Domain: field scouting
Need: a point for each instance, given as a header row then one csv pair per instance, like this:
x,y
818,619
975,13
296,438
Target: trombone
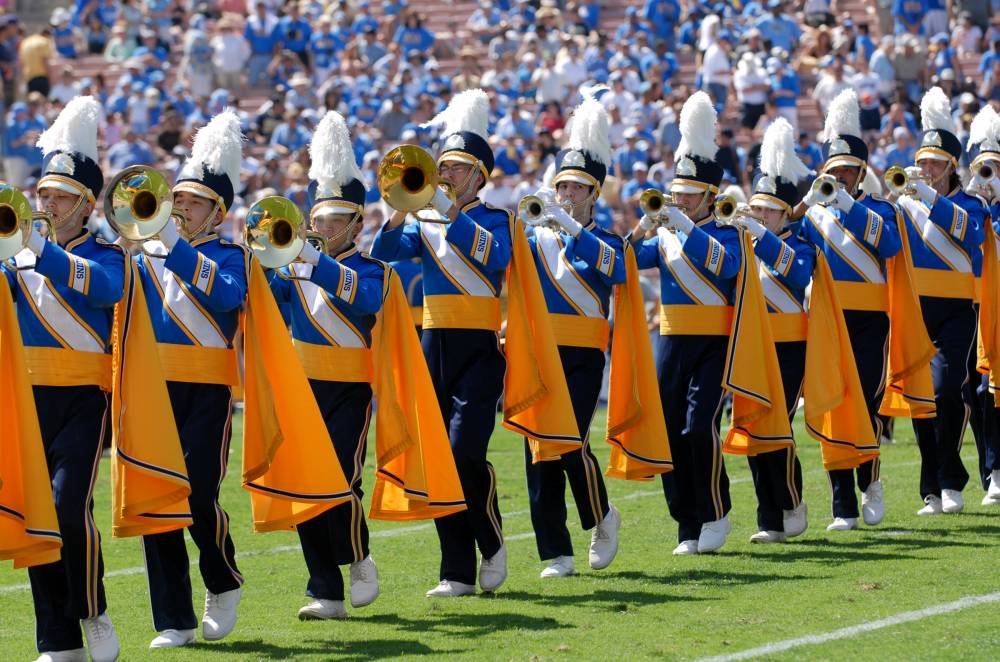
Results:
x,y
139,204
16,222
275,233
407,178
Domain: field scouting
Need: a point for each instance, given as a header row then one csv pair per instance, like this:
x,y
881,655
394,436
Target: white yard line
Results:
x,y
854,630
391,533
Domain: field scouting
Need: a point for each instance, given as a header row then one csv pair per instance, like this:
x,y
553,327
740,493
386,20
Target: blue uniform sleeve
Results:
x,y
362,293
281,288
490,249
400,243
101,281
647,253
792,269
722,258
963,225
876,232
604,258
223,284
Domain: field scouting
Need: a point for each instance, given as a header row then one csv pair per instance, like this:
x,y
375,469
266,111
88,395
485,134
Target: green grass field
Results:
x,y
647,605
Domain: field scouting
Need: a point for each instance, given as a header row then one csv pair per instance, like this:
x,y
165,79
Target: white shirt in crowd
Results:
x,y
749,74
715,66
827,89
867,86
231,52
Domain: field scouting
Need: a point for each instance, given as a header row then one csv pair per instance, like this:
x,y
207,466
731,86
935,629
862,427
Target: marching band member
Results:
x,y
65,291
578,265
948,230
464,258
786,263
196,285
984,133
333,310
856,234
463,264
699,260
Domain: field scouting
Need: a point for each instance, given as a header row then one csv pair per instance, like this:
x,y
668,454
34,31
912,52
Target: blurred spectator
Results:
x,y
413,36
290,136
935,16
911,67
130,151
831,83
294,33
20,154
785,90
752,87
776,27
633,188
197,68
866,86
34,53
900,152
261,34
967,37
909,15
716,71
809,151
230,54
881,65
65,36
66,88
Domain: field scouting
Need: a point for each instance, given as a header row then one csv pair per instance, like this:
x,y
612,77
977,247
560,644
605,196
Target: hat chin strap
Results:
x,y
461,190
189,233
59,222
335,241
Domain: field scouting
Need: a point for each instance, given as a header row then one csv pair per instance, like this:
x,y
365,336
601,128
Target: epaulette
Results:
x,y
232,244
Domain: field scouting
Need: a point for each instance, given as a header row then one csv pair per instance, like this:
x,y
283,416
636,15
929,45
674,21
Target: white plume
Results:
x,y
331,152
843,118
697,127
589,130
935,111
985,126
75,130
777,153
218,146
468,111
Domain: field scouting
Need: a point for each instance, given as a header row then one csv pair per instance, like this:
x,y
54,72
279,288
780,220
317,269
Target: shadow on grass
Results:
x,y
612,600
677,577
470,625
368,649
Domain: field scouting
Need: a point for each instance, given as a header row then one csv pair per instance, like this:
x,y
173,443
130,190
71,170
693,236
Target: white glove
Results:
x,y
309,254
752,226
678,220
567,222
441,202
646,224
811,198
843,201
547,195
169,235
925,192
994,185
36,242
977,184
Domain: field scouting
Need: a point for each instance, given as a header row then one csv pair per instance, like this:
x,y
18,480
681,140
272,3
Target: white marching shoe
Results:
x,y
323,610
713,535
172,639
74,655
220,614
796,521
843,524
364,582
686,548
493,571
873,504
952,501
450,589
992,497
768,537
560,566
102,640
932,506
604,540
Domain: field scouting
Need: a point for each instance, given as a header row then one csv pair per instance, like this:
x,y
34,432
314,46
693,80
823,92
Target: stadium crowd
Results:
x,y
184,60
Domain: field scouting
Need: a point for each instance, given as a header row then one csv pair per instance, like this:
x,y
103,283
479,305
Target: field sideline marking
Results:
x,y
388,533
844,633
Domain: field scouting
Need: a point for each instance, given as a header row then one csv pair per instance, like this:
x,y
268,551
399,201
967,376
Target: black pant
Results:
x,y
690,371
467,368
869,334
777,476
72,421
584,368
39,84
951,324
989,453
339,536
203,416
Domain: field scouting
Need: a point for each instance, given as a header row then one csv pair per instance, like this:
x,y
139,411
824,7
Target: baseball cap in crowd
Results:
x,y
773,65
899,132
640,165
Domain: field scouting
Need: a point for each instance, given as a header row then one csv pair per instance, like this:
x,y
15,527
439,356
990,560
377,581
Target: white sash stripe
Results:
x,y
775,294
182,307
62,321
846,244
688,277
552,252
320,309
459,270
935,237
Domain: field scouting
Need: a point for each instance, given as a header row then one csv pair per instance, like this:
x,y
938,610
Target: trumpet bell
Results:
x,y
826,187
407,178
530,209
652,202
275,231
15,221
725,208
139,203
896,180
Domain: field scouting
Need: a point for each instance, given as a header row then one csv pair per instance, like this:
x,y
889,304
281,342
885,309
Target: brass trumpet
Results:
x,y
900,181
533,210
16,222
407,178
725,208
826,186
276,231
984,171
653,202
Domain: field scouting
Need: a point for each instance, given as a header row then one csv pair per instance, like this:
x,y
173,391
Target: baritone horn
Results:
x,y
407,178
16,222
139,203
275,233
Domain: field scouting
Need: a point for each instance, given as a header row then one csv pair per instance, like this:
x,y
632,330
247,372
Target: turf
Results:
x,y
647,605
